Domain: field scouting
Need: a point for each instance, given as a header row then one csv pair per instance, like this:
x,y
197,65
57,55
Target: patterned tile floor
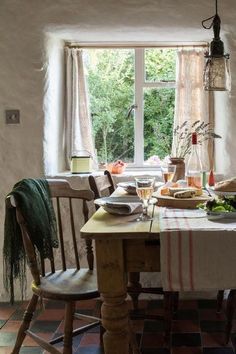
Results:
x,y
196,328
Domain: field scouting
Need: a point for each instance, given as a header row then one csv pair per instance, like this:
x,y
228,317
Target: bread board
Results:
x,y
183,203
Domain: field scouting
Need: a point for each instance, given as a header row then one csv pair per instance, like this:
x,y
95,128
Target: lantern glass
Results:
x,y
217,74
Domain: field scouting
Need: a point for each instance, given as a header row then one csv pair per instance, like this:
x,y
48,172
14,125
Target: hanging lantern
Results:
x,y
217,71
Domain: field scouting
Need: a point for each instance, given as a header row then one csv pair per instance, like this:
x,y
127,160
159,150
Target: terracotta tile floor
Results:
x,y
196,328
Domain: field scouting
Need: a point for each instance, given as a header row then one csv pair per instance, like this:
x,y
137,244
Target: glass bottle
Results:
x,y
211,179
194,166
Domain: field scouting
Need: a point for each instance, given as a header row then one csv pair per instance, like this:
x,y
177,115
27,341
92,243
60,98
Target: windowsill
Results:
x,y
126,175
135,172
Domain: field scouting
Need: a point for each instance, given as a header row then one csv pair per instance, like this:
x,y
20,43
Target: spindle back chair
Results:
x,y
69,284
101,185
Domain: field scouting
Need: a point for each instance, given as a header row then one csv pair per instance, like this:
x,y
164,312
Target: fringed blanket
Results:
x,y
33,198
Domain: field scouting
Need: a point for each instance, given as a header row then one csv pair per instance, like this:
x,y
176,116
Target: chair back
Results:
x,y
63,196
101,185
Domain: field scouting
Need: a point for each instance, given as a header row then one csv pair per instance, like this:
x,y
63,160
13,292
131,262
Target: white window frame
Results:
x,y
140,85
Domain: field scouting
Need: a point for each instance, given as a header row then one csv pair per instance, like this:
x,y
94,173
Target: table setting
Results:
x,y
132,197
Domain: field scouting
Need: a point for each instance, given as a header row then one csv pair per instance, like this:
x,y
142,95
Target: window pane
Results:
x,y
160,64
158,122
110,75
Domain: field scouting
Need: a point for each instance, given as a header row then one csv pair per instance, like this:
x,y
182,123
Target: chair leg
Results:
x,y
134,288
133,345
168,309
230,308
90,255
25,324
220,298
101,333
68,328
175,301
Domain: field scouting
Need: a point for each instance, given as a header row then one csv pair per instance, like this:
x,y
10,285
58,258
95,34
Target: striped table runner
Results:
x,y
196,254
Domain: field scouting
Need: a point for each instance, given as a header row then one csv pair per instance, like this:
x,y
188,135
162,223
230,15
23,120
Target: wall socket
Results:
x,y
12,116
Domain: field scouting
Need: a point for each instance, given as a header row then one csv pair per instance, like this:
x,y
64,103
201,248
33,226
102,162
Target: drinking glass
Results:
x,y
144,188
168,172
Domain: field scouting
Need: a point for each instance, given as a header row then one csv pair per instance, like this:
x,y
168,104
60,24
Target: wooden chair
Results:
x,y
68,284
99,185
230,310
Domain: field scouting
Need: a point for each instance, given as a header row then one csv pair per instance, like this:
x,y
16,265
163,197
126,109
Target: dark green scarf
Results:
x,y
33,198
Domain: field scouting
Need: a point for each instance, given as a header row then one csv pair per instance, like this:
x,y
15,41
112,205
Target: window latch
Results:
x,y
131,109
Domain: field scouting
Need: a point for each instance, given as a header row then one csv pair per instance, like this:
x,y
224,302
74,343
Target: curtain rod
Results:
x,y
133,45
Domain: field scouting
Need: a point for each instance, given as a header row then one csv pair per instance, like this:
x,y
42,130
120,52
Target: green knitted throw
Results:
x,y
33,198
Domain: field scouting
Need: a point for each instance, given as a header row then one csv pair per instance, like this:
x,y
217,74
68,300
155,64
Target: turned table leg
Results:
x,y
115,321
112,286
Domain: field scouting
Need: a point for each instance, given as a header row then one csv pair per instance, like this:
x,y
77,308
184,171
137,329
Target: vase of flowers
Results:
x,y
182,143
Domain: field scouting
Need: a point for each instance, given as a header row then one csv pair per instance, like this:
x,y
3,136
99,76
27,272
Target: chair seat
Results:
x,y
71,285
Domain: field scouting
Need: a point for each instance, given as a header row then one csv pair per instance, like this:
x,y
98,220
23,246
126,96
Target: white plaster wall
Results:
x,y
30,27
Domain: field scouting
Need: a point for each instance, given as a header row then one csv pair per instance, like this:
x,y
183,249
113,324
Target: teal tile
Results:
x,y
7,339
31,350
45,326
2,323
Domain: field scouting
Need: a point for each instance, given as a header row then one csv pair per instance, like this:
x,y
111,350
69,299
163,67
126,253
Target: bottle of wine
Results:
x,y
194,166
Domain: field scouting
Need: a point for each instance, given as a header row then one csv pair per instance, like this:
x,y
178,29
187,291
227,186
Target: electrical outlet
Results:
x,y
12,116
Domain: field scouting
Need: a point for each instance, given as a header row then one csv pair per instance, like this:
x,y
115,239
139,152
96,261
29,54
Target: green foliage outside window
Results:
x,y
158,122
110,75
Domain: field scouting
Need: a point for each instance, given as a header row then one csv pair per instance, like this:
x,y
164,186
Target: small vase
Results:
x,y
180,168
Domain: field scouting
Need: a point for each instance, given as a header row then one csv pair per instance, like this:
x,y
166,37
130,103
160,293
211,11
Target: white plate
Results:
x,y
221,193
215,215
103,201
130,187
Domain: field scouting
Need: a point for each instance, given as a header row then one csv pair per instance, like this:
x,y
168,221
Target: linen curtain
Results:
x,y
78,127
192,102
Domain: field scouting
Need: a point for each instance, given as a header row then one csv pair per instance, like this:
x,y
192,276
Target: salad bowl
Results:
x,y
221,207
216,215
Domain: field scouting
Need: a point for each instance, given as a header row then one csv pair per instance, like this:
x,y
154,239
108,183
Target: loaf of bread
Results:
x,y
172,190
228,185
185,194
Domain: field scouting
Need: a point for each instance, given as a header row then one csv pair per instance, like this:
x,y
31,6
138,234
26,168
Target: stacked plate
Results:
x,y
221,193
130,188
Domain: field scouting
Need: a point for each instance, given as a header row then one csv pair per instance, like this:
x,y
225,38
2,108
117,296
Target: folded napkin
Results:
x,y
123,208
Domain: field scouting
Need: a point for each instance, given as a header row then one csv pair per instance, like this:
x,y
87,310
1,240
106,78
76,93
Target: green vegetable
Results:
x,y
219,208
220,204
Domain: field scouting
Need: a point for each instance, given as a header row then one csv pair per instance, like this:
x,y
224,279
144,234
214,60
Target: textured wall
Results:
x,y
29,27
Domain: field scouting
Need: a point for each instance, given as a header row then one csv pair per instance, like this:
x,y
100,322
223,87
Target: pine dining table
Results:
x,y
192,253
122,245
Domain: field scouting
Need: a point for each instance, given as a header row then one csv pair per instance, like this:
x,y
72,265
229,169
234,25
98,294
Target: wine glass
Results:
x,y
168,172
144,188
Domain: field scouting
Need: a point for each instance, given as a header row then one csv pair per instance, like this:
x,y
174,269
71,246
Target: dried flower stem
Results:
x,y
182,136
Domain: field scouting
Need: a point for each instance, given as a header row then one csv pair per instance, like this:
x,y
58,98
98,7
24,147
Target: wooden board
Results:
x,y
185,203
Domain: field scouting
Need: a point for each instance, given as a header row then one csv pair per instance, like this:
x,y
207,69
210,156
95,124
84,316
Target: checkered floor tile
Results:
x,y
196,328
